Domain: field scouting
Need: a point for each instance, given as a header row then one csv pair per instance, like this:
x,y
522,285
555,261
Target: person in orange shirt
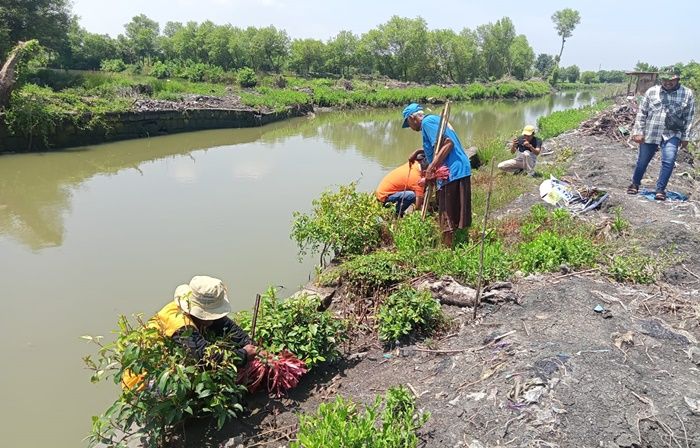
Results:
x,y
403,186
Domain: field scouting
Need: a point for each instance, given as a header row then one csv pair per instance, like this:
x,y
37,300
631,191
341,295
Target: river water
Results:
x,y
89,233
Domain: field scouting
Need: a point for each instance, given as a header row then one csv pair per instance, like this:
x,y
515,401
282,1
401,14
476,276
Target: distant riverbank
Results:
x,y
59,109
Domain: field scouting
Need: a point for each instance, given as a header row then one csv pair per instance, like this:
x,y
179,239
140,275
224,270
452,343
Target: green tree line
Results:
x,y
402,48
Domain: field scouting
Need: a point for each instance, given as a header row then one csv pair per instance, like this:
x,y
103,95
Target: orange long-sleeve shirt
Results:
x,y
402,178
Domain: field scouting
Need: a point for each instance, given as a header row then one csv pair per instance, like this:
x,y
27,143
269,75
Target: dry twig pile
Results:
x,y
615,123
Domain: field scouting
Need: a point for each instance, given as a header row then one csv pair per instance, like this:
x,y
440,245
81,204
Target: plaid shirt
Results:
x,y
656,105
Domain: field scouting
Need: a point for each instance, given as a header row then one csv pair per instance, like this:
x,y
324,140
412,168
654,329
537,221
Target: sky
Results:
x,y
613,34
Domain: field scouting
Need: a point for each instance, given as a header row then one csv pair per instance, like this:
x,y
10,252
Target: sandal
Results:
x,y
633,189
660,196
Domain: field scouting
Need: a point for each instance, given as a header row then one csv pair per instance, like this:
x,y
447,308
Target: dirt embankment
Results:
x,y
547,371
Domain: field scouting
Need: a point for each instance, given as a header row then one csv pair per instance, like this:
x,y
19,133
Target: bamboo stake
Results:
x,y
256,310
444,118
477,299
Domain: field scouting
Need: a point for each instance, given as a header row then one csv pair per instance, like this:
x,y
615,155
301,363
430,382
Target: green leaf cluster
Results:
x,y
635,267
296,325
173,385
413,235
246,77
406,311
553,238
346,222
342,424
369,273
462,262
113,65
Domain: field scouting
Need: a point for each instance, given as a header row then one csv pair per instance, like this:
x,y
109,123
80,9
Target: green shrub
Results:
x,y
413,235
507,90
475,91
368,273
346,222
634,268
558,220
619,224
463,262
246,77
160,70
549,250
32,114
112,65
298,326
176,386
194,71
341,424
407,311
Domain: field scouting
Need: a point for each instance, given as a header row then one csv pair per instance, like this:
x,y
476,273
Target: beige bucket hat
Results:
x,y
204,298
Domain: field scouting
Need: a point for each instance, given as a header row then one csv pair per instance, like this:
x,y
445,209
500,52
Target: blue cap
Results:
x,y
408,111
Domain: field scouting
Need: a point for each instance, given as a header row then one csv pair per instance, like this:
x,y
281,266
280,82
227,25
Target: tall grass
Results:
x,y
559,122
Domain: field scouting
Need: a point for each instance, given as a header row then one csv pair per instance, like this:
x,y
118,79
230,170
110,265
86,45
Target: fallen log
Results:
x,y
448,291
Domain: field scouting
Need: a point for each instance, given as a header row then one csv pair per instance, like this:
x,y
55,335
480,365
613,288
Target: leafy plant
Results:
x,y
463,262
296,325
549,250
172,386
413,234
346,222
247,78
406,311
619,224
112,65
35,112
565,155
366,274
634,268
341,424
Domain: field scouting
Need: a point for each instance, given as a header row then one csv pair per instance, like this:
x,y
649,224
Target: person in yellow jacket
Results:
x,y
199,307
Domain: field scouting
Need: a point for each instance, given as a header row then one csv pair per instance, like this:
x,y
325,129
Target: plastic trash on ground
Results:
x,y
565,195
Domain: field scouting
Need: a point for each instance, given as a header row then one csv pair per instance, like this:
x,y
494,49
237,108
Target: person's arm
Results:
x,y
227,328
536,148
190,338
514,145
414,155
193,341
418,187
688,117
419,202
440,158
640,121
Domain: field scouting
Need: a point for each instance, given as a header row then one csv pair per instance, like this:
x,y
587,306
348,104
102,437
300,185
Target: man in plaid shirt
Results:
x,y
663,121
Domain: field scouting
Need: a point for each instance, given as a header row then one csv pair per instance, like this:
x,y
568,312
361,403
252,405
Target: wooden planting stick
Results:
x,y
477,299
444,117
256,310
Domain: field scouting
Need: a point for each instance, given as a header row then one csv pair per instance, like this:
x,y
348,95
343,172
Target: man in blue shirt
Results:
x,y
454,194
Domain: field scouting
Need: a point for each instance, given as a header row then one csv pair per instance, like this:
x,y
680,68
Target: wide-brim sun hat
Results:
x,y
204,298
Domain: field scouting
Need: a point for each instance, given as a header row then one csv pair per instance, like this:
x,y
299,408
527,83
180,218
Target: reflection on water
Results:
x,y
90,233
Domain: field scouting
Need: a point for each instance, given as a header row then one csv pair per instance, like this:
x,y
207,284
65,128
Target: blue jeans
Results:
x,y
669,150
402,199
